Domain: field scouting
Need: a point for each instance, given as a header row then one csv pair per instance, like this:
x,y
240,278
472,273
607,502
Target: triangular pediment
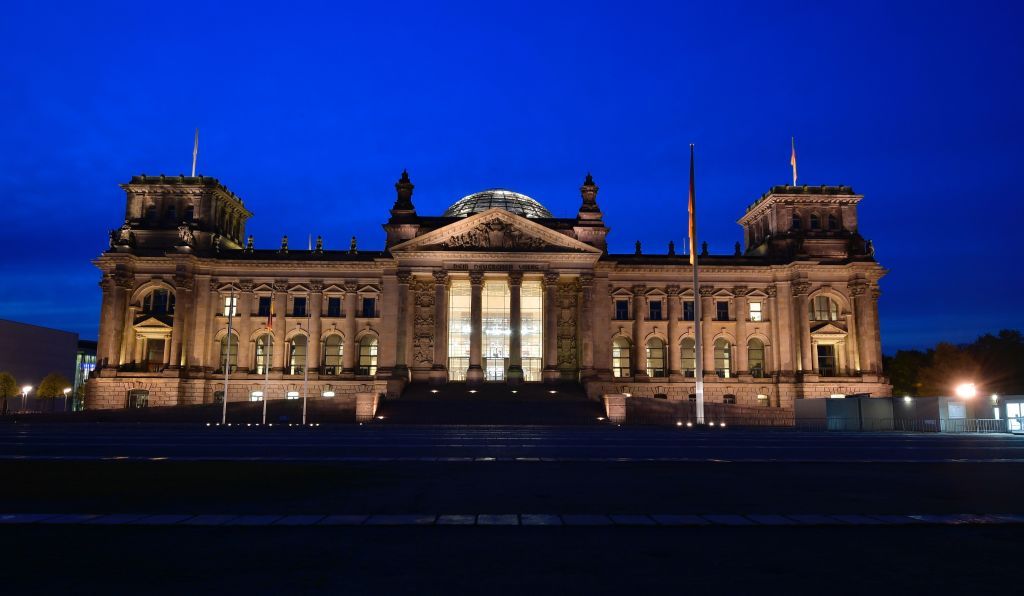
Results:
x,y
495,230
828,329
149,321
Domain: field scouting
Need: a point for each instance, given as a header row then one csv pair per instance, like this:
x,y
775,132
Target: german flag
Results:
x,y
693,213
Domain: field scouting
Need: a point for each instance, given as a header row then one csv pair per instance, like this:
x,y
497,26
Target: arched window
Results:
x,y
158,302
689,354
229,353
755,357
723,358
137,398
815,222
655,358
833,222
797,223
264,351
334,349
823,308
368,356
621,366
297,355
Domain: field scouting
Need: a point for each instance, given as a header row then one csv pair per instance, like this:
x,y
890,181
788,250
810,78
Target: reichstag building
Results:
x,y
496,289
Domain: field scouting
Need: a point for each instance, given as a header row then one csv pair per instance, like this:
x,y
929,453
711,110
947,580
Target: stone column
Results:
x,y
103,339
601,330
741,331
773,328
707,330
586,332
852,365
316,306
865,326
639,347
245,305
784,328
182,308
348,356
475,374
401,369
551,326
280,299
440,366
876,328
803,317
167,349
139,343
131,337
210,361
672,348
515,340
120,288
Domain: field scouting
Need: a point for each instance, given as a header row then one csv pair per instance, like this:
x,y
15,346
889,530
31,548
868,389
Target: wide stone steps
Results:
x,y
528,404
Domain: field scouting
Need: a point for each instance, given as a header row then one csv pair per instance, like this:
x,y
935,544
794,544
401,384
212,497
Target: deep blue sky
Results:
x,y
310,112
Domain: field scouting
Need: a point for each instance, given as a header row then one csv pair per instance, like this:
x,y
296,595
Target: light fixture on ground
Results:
x,y
966,390
24,396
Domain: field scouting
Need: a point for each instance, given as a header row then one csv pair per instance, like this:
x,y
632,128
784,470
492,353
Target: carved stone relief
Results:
x,y
568,303
495,233
423,322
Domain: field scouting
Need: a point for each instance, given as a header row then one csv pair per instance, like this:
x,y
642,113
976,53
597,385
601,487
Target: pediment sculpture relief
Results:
x,y
494,233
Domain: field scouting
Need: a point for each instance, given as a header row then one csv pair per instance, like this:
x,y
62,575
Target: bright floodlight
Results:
x,y
26,388
67,390
966,390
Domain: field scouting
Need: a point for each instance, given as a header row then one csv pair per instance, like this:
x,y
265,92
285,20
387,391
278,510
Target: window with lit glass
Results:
x,y
688,352
755,357
459,328
655,358
368,355
755,312
137,398
297,355
723,358
531,310
231,306
827,360
264,351
494,343
334,349
823,308
229,352
620,357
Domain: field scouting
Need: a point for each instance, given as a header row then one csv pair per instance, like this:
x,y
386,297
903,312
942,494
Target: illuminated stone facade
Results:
x,y
495,290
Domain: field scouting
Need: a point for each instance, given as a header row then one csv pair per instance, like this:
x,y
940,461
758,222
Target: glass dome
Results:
x,y
512,202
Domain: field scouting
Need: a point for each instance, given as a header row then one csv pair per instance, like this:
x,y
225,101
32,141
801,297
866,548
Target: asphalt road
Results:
x,y
385,443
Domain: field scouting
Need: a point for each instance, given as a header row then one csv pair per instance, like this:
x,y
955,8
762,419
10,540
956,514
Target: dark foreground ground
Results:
x,y
606,472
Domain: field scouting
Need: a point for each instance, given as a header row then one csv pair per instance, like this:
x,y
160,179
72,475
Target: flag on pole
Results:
x,y
270,316
693,213
792,158
195,153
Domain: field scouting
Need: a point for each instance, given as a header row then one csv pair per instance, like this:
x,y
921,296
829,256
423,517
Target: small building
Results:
x,y
30,352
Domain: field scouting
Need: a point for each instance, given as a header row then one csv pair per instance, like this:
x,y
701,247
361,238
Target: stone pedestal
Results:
x,y
615,407
366,406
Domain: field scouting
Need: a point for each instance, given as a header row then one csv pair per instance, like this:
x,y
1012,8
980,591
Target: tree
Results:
x,y
53,385
904,371
950,365
8,388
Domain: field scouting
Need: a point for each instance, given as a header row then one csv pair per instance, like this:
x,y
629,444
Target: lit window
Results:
x,y
297,355
256,396
755,312
229,352
755,357
827,360
655,310
137,398
264,350
231,306
655,358
327,394
334,349
459,328
368,356
620,357
622,310
293,395
689,356
723,358
823,308
762,401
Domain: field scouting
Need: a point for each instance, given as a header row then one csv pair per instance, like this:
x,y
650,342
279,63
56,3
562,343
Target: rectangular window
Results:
x,y
729,398
622,310
755,312
231,306
334,307
762,401
655,310
722,310
827,360
689,357
459,328
687,310
369,308
264,307
299,306
495,339
532,328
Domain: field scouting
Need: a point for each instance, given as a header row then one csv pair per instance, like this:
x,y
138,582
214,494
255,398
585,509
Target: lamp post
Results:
x,y
67,390
24,397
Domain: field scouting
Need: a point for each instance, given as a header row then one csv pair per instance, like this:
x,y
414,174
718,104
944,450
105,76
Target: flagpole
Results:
x,y
195,153
792,157
227,360
266,358
698,372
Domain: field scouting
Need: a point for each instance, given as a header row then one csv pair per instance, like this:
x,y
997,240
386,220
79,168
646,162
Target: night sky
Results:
x,y
310,112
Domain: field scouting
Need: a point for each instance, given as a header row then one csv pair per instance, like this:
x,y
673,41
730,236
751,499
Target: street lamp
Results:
x,y
966,390
24,396
67,390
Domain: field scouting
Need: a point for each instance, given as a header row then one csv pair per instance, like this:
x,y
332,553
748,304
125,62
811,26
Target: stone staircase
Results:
x,y
492,404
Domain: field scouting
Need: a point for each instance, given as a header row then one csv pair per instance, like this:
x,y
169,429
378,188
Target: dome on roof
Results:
x,y
512,202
